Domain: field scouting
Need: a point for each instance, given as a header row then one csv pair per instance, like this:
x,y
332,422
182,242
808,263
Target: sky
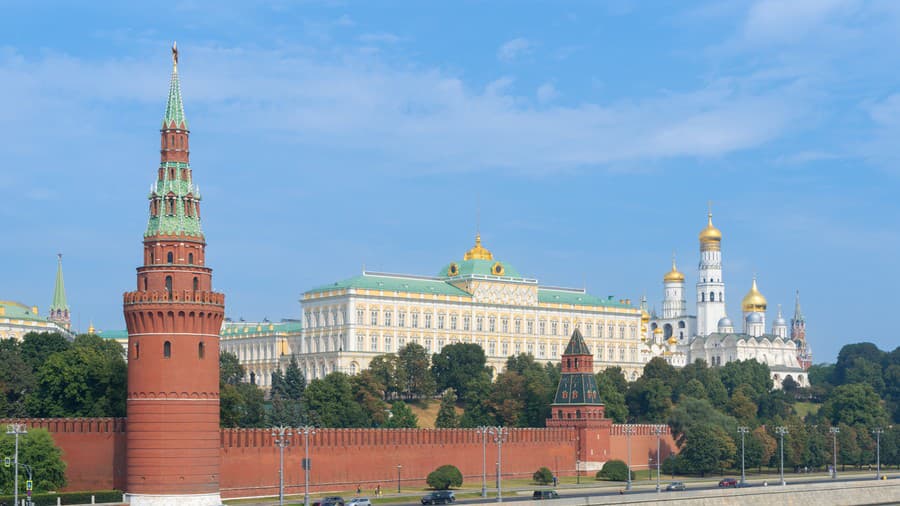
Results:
x,y
585,140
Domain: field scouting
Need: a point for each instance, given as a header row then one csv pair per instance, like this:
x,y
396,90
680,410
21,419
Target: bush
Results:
x,y
49,498
542,476
445,477
614,470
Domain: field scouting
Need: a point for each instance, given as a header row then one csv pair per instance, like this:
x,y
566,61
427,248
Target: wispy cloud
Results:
x,y
546,93
514,49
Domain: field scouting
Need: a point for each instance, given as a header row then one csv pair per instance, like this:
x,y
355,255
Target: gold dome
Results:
x,y
710,237
673,275
645,317
478,252
657,331
673,340
753,301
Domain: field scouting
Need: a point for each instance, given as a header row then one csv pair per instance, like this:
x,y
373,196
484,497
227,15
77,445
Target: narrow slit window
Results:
x,y
167,349
201,350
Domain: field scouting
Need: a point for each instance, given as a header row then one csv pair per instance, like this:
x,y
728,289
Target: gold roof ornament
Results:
x,y
754,300
657,331
174,53
478,252
673,340
674,275
710,237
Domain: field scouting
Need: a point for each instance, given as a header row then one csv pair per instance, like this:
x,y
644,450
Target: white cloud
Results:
x,y
773,21
546,93
513,49
379,38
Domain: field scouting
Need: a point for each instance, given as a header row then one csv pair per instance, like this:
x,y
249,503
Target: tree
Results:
x,y
522,394
847,361
384,371
16,380
287,396
414,377
87,380
848,447
691,413
649,400
746,372
477,401
708,449
241,405
613,470
402,417
369,394
329,402
38,450
741,406
658,368
855,404
542,476
445,477
231,372
693,388
446,418
612,397
764,447
456,365
36,347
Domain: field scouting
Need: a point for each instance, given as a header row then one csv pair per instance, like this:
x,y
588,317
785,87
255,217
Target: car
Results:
x,y
334,500
544,494
439,497
675,485
359,501
728,482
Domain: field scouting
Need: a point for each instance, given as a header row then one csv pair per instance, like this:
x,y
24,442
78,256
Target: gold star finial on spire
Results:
x,y
174,53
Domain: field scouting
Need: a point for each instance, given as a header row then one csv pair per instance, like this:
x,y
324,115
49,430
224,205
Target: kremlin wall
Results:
x,y
95,451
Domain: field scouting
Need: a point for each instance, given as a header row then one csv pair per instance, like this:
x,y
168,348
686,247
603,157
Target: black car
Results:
x,y
540,495
439,497
333,500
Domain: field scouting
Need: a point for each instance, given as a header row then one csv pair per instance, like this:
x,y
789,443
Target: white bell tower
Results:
x,y
710,287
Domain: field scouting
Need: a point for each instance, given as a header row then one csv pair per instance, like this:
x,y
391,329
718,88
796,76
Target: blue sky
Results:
x,y
331,135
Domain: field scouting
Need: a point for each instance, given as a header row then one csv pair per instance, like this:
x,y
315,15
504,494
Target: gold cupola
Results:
x,y
710,237
674,275
478,252
673,340
754,300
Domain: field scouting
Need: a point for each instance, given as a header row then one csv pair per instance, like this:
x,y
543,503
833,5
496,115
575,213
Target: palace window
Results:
x,y
530,348
360,316
589,329
428,345
374,343
518,348
621,331
387,344
479,323
440,321
505,348
610,331
555,349
542,325
387,318
453,322
622,354
609,353
415,320
492,324
518,325
492,348
565,328
427,320
632,330
504,325
373,317
530,327
542,348
440,345
552,328
467,322
401,319
359,343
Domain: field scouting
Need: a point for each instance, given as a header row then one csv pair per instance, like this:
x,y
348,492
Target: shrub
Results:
x,y
614,470
543,476
445,477
49,498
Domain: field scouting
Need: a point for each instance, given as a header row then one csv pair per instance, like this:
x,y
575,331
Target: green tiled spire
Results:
x,y
59,291
174,106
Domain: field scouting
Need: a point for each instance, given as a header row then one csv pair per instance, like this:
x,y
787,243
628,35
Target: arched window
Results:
x,y
252,378
169,286
152,258
201,350
703,297
145,284
170,257
167,349
559,413
577,413
681,324
196,284
191,258
712,296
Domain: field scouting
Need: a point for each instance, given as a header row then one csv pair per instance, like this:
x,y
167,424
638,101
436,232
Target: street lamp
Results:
x,y
281,435
500,434
834,432
743,430
483,430
628,432
399,467
878,432
15,429
781,431
306,430
658,431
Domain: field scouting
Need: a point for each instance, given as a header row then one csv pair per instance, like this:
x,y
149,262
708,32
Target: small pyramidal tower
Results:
x,y
577,399
173,318
59,309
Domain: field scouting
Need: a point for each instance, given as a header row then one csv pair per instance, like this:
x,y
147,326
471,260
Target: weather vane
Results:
x,y
175,53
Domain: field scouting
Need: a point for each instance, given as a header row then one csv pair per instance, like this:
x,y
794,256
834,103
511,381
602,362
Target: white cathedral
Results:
x,y
711,336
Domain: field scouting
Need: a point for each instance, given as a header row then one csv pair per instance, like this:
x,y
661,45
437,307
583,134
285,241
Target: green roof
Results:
x,y
577,388
576,297
174,106
18,311
179,223
239,328
59,291
113,334
394,283
576,345
479,267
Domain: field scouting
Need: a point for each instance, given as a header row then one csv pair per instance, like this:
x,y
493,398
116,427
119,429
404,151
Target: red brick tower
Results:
x,y
577,404
173,321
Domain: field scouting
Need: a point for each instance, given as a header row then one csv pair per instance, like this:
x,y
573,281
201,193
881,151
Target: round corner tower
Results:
x,y
173,320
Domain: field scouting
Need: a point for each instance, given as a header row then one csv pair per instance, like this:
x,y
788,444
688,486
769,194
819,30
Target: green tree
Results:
x,y
658,368
857,356
231,372
854,404
542,476
36,347
456,365
329,402
444,477
614,470
478,411
369,394
241,405
414,376
746,372
446,418
708,449
649,400
402,417
287,396
87,380
384,371
848,446
17,380
741,405
691,413
37,450
522,394
693,388
612,397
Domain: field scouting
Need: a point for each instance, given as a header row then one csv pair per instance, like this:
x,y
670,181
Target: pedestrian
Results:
x,y
358,489
555,481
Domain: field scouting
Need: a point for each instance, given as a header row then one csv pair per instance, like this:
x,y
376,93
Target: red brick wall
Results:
x,y
643,445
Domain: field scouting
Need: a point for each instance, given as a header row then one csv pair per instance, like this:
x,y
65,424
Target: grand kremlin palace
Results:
x,y
477,300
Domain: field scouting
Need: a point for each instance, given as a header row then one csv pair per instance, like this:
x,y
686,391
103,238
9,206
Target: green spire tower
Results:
x,y
59,309
174,200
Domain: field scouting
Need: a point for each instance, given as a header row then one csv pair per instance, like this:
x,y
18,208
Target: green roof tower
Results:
x,y
59,309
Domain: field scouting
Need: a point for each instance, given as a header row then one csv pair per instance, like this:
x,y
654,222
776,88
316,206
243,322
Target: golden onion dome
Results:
x,y
710,237
478,252
754,301
657,331
674,275
645,316
673,340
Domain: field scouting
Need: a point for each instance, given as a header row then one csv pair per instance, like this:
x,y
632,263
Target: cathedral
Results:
x,y
710,335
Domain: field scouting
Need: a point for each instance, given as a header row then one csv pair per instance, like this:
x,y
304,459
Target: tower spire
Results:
x,y
59,309
174,117
798,315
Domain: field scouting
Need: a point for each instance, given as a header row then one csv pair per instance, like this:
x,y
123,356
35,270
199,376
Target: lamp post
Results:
x,y
306,430
834,432
742,430
781,431
658,431
500,434
399,467
629,430
483,430
878,432
15,429
281,435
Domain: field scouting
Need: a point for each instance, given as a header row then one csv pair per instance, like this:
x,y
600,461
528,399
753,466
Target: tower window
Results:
x,y
712,296
703,297
191,258
145,284
201,350
167,349
196,283
137,351
169,286
170,257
